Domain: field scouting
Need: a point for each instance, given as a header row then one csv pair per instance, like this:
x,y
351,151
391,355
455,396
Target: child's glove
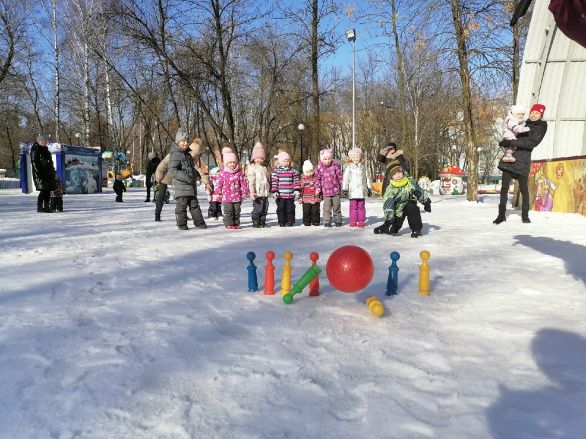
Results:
x,y
296,195
427,206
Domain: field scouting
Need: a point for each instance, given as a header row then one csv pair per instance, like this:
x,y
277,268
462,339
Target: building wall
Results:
x,y
553,73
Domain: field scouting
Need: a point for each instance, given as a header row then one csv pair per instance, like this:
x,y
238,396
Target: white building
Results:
x,y
553,73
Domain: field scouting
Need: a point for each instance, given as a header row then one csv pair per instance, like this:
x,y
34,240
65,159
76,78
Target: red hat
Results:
x,y
538,107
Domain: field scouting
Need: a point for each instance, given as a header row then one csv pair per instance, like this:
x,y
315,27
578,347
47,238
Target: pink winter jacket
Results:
x,y
232,187
214,183
329,179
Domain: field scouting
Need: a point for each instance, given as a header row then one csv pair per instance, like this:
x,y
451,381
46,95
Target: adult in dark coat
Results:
x,y
43,173
391,157
519,169
184,177
150,172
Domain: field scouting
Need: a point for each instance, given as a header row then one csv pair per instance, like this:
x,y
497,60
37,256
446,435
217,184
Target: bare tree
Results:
x,y
468,114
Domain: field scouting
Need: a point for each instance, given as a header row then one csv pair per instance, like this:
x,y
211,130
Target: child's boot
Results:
x,y
384,228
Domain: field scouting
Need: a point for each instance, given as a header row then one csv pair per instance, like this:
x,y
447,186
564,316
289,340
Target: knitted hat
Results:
x,y
307,166
152,155
538,107
395,169
282,156
180,136
325,154
355,152
228,155
42,137
257,152
516,109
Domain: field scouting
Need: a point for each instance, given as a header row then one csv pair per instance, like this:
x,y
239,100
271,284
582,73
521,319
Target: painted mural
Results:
x,y
559,185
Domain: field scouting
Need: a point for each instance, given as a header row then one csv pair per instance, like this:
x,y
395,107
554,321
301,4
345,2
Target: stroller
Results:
x,y
167,194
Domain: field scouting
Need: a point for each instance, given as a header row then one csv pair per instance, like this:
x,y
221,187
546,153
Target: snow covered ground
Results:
x,y
114,326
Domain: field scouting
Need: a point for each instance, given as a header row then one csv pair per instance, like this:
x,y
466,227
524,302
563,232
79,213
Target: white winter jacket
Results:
x,y
355,181
258,180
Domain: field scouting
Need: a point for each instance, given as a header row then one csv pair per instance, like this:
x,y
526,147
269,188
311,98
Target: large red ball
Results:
x,y
350,269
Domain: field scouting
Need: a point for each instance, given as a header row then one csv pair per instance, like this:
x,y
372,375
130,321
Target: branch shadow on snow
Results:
x,y
571,253
556,410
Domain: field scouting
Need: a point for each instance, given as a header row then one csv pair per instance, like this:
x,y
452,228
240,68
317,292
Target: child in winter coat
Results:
x,y
514,125
400,201
184,179
232,189
390,156
355,184
329,178
310,195
56,202
119,188
215,209
258,182
285,187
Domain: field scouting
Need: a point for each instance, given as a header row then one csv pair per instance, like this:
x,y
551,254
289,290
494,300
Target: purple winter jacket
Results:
x,y
329,179
231,187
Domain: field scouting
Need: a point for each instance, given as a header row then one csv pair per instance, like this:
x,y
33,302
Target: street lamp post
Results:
x,y
301,128
351,35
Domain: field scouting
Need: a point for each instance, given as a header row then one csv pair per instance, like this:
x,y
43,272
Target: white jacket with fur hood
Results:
x,y
355,180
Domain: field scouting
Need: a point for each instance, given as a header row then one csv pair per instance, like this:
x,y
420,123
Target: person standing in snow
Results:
x,y
119,188
163,180
56,202
329,178
150,173
43,173
355,184
400,202
310,195
184,177
232,187
519,169
215,209
258,181
285,188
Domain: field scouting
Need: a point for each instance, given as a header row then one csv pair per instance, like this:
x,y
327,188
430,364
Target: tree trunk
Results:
x,y
315,116
470,137
516,54
57,69
217,8
400,79
86,89
11,41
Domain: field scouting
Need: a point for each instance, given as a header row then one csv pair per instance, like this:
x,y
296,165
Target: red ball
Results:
x,y
349,269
